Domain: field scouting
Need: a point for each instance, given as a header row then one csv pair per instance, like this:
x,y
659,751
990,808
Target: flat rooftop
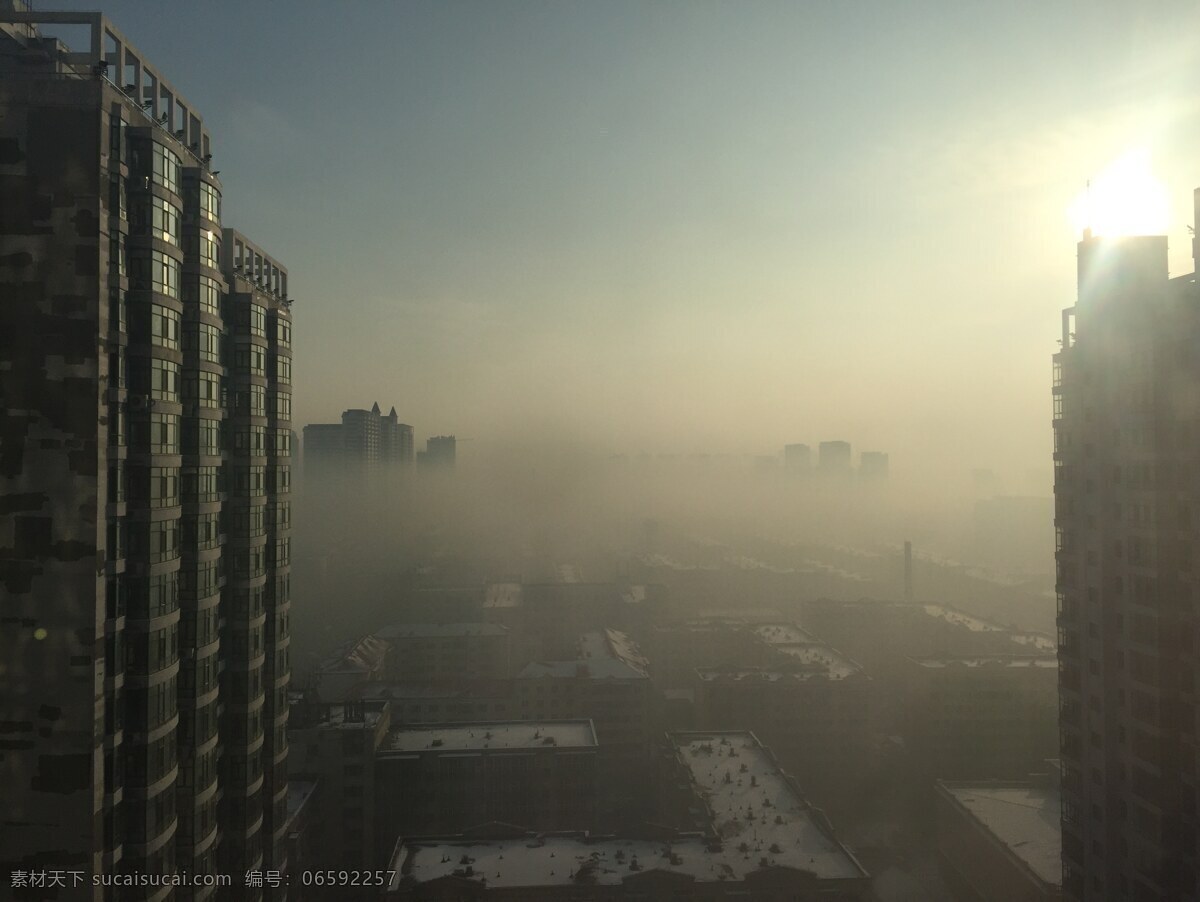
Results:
x,y
784,634
502,595
607,654
760,822
1024,817
1016,662
440,630
474,737
822,659
958,618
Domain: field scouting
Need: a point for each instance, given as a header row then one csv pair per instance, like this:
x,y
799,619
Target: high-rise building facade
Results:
x,y
145,372
1126,419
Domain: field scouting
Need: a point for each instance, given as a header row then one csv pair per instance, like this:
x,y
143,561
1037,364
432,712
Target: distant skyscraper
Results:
x,y
873,465
834,457
145,367
364,441
440,451
1127,513
797,458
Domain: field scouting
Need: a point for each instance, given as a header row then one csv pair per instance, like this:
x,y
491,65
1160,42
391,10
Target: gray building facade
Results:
x,y
145,372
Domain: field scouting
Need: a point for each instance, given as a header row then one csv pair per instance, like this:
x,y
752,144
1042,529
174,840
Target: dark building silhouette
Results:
x,y
797,458
834,457
1126,422
873,465
440,451
145,367
364,441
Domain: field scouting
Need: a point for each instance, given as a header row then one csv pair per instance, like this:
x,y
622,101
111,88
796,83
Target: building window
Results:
x,y
210,249
164,433
156,272
164,327
166,167
203,291
164,380
252,359
164,539
205,340
203,388
210,202
164,221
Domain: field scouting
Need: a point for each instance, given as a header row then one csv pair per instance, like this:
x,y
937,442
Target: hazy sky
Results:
x,y
683,226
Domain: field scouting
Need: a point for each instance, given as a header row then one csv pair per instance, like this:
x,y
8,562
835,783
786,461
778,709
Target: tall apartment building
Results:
x,y
1126,448
440,451
145,376
364,440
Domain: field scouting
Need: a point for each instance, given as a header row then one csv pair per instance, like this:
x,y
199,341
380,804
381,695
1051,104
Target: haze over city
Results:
x,y
564,451
687,227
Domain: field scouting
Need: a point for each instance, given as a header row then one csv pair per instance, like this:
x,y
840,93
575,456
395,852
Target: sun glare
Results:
x,y
1125,199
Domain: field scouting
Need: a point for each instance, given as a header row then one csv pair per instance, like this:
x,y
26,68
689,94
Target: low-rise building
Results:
x,y
983,717
1001,842
445,652
446,778
757,839
336,743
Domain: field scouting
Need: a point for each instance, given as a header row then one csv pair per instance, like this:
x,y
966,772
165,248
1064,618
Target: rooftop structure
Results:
x,y
492,735
1003,839
759,828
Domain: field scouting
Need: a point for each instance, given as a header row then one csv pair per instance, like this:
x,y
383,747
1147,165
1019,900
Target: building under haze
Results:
x,y
1126,422
833,458
441,451
797,458
362,442
873,465
145,367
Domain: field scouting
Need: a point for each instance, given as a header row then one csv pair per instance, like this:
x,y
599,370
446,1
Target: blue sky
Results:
x,y
683,226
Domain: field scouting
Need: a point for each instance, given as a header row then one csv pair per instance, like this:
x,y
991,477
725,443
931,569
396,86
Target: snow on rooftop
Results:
x,y
1008,661
503,595
495,735
821,658
1040,641
356,656
1025,818
958,618
781,830
783,634
607,654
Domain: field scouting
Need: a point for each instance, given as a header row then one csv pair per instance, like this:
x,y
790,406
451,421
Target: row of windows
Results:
x,y
210,201
160,219
155,272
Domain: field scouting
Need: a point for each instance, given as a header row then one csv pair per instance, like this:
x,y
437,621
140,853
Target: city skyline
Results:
x,y
660,228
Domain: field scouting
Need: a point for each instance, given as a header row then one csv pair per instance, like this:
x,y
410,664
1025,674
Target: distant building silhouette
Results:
x,y
440,451
834,457
362,442
797,458
873,465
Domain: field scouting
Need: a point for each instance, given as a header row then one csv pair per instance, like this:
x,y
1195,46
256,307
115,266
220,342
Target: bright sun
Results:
x,y
1125,199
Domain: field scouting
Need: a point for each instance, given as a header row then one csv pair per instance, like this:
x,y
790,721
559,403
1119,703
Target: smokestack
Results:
x,y
908,592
